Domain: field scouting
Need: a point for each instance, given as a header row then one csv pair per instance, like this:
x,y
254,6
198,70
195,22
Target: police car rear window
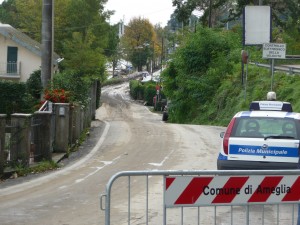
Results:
x,y
263,127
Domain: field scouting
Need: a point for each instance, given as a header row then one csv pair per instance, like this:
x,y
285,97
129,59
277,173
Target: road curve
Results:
x,y
127,136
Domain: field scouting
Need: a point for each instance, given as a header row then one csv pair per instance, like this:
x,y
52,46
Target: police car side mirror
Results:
x,y
222,134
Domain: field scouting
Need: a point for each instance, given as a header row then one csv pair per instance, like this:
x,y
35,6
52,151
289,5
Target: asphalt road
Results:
x,y
127,136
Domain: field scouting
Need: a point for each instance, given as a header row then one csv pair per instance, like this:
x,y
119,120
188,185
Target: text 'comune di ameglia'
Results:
x,y
281,189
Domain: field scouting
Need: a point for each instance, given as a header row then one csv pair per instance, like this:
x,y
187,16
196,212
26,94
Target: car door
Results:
x,y
259,149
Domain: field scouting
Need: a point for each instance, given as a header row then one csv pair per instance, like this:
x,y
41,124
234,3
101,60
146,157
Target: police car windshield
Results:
x,y
265,127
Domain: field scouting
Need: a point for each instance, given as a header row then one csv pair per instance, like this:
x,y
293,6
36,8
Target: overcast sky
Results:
x,y
157,11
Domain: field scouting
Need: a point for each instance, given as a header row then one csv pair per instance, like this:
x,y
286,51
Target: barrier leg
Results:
x,y
298,220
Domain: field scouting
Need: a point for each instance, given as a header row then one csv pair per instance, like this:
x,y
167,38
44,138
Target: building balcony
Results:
x,y
10,70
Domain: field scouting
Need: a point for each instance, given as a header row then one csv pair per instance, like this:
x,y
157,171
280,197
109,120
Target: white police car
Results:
x,y
266,137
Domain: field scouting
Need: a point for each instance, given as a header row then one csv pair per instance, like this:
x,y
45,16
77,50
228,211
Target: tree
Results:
x,y
8,13
197,70
211,10
138,40
159,46
24,15
80,56
173,23
83,16
80,29
232,9
113,51
85,37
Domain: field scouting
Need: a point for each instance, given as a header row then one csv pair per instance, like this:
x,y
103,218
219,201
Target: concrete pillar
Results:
x,y
94,100
43,148
62,121
82,115
77,122
87,116
2,142
71,123
20,138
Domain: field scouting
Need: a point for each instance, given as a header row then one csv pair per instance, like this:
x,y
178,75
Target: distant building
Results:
x,y
19,55
121,29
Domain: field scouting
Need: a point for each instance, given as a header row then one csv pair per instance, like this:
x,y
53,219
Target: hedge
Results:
x,y
14,98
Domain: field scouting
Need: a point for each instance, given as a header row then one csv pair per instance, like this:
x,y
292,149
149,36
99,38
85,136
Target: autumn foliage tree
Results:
x,y
139,42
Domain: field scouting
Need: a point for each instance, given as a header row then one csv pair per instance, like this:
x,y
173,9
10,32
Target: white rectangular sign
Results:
x,y
190,191
257,27
274,50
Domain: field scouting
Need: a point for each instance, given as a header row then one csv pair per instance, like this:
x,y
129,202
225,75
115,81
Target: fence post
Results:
x,y
77,122
44,142
2,141
20,138
62,121
82,119
71,123
94,99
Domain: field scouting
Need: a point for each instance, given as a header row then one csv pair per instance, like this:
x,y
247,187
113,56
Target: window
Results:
x,y
264,127
12,59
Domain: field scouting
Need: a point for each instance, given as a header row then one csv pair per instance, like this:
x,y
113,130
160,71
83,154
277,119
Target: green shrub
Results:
x,y
136,89
150,92
34,84
23,170
113,81
145,91
197,70
15,99
74,83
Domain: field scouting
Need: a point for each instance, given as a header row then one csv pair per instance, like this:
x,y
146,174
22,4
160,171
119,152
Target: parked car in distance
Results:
x,y
146,76
265,137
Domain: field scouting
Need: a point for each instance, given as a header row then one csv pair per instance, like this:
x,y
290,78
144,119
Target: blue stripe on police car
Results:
x,y
259,151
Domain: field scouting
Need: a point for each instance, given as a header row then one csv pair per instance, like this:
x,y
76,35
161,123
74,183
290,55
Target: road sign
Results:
x,y
191,191
257,25
274,50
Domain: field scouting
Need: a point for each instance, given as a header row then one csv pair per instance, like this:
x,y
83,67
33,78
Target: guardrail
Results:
x,y
284,68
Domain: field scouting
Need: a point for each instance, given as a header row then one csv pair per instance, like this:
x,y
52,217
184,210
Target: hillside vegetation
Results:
x,y
203,80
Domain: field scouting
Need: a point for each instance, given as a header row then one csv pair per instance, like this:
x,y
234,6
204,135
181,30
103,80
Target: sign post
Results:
x,y
273,51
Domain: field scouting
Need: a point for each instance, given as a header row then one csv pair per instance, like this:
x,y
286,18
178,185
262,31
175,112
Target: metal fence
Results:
x,y
157,197
288,69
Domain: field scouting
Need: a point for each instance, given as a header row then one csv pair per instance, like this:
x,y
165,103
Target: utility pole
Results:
x,y
209,16
47,42
162,53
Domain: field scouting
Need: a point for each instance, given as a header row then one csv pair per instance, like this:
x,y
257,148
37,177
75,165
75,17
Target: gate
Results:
x,y
202,197
23,140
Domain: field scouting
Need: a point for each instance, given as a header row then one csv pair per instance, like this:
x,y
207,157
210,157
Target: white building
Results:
x,y
19,54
